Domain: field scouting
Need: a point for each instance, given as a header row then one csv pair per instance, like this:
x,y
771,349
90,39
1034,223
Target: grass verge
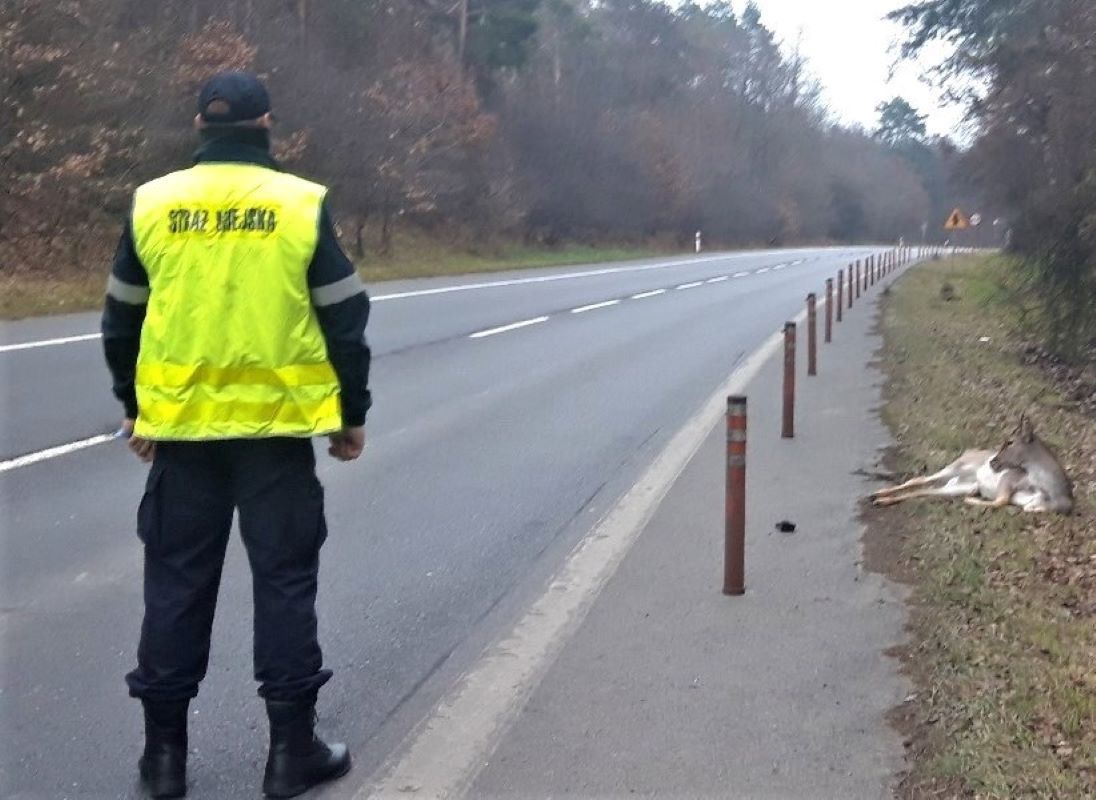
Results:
x,y
1003,630
34,296
416,255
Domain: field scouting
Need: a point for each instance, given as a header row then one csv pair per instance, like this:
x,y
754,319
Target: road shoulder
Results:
x,y
670,688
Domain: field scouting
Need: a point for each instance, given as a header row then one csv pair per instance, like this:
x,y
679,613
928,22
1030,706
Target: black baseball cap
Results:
x,y
229,98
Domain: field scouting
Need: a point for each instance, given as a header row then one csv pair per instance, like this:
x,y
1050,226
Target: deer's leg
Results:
x,y
974,500
1005,490
949,473
953,488
912,483
898,497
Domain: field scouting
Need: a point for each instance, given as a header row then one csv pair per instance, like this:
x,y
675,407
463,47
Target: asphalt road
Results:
x,y
508,417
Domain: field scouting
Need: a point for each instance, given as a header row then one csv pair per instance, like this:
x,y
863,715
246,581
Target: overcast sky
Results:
x,y
852,50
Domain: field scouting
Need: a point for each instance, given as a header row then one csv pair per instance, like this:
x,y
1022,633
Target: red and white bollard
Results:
x,y
787,427
734,525
829,310
840,292
812,335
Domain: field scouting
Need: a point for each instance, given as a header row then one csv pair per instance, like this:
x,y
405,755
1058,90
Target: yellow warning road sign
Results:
x,y
957,221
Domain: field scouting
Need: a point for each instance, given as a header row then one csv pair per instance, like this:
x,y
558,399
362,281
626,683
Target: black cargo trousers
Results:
x,y
184,520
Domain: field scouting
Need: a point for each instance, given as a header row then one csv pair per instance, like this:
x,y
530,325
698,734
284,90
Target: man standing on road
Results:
x,y
234,329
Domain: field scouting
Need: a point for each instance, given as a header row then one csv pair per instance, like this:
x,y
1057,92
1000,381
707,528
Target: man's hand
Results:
x,y
347,444
144,449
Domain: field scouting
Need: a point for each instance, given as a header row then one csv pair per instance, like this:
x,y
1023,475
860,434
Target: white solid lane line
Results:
x,y
72,447
84,337
594,306
54,452
466,287
512,327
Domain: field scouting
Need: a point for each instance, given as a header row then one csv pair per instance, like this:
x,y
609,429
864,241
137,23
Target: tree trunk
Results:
x,y
463,30
557,65
386,230
359,236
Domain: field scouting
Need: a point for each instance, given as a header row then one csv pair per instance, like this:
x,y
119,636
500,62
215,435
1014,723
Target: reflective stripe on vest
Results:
x,y
231,347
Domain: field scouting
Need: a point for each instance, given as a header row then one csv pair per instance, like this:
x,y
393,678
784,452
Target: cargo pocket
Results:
x,y
150,511
321,521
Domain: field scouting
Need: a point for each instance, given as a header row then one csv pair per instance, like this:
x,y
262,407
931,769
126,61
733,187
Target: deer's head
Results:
x,y
1015,452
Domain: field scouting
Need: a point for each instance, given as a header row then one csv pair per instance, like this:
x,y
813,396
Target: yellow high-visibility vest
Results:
x,y
231,346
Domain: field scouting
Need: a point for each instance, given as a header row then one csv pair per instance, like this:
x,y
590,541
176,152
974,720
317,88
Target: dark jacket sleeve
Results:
x,y
342,307
123,316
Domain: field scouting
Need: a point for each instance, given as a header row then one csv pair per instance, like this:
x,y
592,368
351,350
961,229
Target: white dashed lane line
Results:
x,y
467,287
525,323
616,301
594,306
53,452
15,347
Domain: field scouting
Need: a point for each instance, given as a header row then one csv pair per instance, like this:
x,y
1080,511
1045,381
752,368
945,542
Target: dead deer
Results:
x,y
1024,473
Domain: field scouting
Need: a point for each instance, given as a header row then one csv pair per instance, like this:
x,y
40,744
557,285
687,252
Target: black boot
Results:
x,y
163,764
298,758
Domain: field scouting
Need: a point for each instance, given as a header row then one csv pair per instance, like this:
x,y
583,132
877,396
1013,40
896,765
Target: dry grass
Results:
x,y
1004,630
416,254
32,296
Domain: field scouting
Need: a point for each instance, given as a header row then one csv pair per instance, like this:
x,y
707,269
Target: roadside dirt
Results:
x,y
1002,633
